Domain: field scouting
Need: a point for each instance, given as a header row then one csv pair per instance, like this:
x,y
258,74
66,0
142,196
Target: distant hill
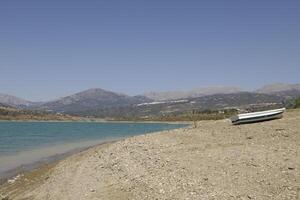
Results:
x,y
278,87
91,99
281,89
198,92
13,101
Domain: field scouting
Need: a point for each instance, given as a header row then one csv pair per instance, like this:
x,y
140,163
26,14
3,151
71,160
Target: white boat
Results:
x,y
257,116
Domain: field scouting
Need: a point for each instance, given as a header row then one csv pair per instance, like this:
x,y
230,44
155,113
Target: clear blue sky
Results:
x,y
53,48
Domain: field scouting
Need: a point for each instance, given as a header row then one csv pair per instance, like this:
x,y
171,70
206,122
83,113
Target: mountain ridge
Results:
x,y
89,99
289,91
196,92
13,100
277,87
98,98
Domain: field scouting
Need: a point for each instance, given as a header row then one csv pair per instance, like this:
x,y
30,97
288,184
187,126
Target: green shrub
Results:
x,y
297,103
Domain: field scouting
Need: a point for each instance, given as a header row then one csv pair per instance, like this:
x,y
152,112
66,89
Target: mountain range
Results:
x,y
102,103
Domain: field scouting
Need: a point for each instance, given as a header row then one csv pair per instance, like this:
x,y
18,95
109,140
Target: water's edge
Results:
x,y
47,160
6,175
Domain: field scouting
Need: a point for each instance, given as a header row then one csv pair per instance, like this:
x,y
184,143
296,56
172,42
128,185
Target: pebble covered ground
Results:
x,y
216,160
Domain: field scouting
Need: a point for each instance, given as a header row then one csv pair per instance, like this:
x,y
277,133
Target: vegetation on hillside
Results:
x,y
8,113
194,115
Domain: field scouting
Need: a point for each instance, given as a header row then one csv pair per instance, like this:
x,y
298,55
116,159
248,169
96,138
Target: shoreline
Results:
x,y
102,121
27,168
45,162
216,160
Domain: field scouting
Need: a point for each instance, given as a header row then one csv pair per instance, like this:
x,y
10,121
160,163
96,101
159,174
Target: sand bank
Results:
x,y
214,161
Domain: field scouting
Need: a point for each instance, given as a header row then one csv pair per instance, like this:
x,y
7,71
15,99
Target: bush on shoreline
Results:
x,y
297,103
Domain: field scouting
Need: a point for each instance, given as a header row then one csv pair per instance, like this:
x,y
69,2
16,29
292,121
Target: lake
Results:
x,y
22,143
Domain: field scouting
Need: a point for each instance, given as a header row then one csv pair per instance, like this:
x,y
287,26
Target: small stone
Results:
x,y
291,168
11,181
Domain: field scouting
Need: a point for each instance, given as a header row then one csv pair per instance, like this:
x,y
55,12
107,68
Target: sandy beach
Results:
x,y
216,160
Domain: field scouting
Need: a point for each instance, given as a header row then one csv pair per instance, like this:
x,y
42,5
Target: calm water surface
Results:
x,y
24,142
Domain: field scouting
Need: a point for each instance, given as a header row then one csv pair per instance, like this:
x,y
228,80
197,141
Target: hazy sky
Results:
x,y
53,48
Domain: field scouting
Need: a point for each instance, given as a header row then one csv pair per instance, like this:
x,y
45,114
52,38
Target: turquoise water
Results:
x,y
23,142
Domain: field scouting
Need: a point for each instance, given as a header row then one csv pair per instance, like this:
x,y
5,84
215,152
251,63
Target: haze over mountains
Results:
x,y
197,92
100,102
278,87
281,89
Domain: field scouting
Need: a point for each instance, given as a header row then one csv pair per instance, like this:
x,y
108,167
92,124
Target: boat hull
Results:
x,y
257,117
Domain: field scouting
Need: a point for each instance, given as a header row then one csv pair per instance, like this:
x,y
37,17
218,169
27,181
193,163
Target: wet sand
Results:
x,y
216,160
